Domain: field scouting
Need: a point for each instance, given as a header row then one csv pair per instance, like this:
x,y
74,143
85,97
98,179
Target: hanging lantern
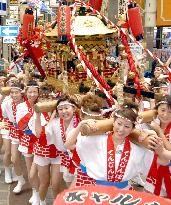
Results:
x,y
96,4
64,19
135,21
28,23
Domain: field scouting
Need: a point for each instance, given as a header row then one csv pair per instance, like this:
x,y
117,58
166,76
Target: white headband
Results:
x,y
161,102
13,87
119,116
92,115
65,103
33,86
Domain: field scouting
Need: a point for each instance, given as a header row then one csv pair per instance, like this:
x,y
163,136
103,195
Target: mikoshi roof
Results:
x,y
90,25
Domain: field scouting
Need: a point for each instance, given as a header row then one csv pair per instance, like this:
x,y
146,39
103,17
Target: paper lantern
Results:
x,y
135,21
64,19
96,4
28,24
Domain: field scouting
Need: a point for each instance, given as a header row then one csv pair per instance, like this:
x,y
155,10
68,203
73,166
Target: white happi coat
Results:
x,y
150,186
22,110
92,151
53,133
31,123
7,112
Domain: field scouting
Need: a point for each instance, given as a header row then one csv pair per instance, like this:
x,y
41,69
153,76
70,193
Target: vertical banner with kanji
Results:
x,y
122,9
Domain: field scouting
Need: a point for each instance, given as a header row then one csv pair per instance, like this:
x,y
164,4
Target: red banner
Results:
x,y
107,195
64,19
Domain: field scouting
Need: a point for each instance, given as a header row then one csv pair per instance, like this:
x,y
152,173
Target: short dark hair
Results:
x,y
18,85
32,83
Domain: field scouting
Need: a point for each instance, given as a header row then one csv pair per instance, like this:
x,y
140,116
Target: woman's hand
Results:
x,y
159,147
150,139
4,125
155,126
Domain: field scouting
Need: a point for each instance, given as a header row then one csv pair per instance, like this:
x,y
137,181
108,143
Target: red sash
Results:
x,y
62,129
167,131
14,110
30,109
111,174
75,161
26,118
46,116
163,172
42,138
152,174
62,126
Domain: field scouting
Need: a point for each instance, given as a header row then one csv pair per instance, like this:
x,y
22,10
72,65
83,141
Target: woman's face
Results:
x,y
12,80
16,95
65,111
32,94
164,113
157,72
164,91
122,128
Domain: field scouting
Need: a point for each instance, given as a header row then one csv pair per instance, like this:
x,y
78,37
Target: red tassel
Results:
x,y
35,59
96,4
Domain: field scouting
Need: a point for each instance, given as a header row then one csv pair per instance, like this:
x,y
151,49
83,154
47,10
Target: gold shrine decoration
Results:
x,y
140,3
163,13
11,2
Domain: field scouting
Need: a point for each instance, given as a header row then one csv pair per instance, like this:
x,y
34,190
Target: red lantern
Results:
x,y
96,4
28,24
64,19
135,21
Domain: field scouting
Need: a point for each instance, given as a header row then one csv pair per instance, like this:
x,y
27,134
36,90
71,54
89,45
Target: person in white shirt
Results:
x,y
111,159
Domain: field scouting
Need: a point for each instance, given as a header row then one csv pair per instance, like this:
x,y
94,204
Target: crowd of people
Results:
x,y
55,147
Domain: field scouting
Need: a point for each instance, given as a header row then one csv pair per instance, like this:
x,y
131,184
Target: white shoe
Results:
x,y
20,184
43,202
36,198
8,177
137,180
14,176
31,199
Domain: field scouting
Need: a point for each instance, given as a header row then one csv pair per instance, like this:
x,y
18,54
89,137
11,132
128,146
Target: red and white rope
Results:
x,y
133,39
79,55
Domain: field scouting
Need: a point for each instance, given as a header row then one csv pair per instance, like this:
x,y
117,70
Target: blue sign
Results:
x,y
12,31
